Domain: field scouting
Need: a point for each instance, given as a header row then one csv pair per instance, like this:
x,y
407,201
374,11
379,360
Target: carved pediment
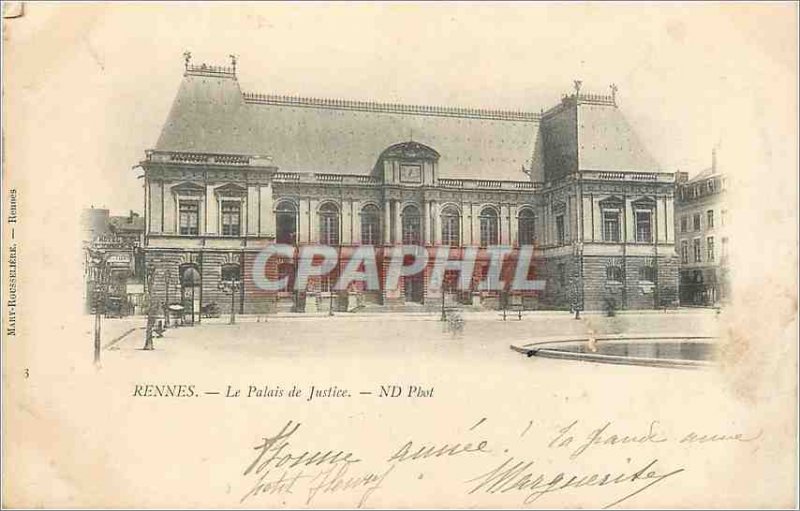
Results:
x,y
410,150
644,202
612,202
231,189
188,188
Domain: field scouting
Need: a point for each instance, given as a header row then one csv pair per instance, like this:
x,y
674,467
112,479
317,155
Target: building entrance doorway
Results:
x,y
413,288
190,291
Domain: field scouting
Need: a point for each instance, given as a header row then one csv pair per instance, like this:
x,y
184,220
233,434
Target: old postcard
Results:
x,y
400,255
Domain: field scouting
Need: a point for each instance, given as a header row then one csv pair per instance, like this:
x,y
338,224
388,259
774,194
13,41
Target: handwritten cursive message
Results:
x,y
282,466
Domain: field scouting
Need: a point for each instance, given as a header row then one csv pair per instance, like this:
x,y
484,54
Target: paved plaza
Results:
x,y
380,338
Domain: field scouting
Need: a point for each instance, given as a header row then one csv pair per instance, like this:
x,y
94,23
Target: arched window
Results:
x,y
527,227
190,276
451,227
412,226
370,225
329,224
286,219
488,227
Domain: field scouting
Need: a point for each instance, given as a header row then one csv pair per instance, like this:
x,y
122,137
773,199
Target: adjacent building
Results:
x,y
233,172
702,240
114,260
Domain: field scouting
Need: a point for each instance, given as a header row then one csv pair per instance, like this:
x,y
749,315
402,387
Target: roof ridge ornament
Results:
x,y
187,59
614,89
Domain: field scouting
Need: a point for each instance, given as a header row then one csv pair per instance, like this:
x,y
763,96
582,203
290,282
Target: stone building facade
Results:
x,y
702,240
233,172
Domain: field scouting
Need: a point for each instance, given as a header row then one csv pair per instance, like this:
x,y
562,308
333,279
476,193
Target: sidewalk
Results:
x,y
435,315
113,330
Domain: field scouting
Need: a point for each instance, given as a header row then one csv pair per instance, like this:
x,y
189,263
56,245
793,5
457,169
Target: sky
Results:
x,y
93,83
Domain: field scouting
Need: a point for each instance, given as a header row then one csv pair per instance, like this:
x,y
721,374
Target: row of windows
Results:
x,y
696,219
614,274
411,225
697,250
646,274
700,189
411,228
188,217
643,219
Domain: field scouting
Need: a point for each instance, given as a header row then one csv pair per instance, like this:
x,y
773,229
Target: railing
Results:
x,y
201,158
328,178
615,176
451,183
653,177
184,157
355,179
325,177
286,176
597,98
210,70
372,106
487,183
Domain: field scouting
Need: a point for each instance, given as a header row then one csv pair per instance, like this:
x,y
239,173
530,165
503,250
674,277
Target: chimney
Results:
x,y
714,160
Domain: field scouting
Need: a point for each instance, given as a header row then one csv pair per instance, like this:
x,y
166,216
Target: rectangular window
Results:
x,y
647,274
614,273
698,254
561,235
696,221
611,226
710,219
684,252
188,212
644,231
684,224
231,218
710,248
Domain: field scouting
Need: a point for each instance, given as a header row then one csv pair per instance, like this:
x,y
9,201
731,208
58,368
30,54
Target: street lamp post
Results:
x,y
231,286
166,302
577,298
330,292
152,307
100,281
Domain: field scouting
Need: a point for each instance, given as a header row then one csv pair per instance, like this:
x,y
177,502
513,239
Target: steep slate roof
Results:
x,y
607,141
210,114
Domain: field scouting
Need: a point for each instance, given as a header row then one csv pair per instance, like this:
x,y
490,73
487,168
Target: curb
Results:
x,y
120,337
